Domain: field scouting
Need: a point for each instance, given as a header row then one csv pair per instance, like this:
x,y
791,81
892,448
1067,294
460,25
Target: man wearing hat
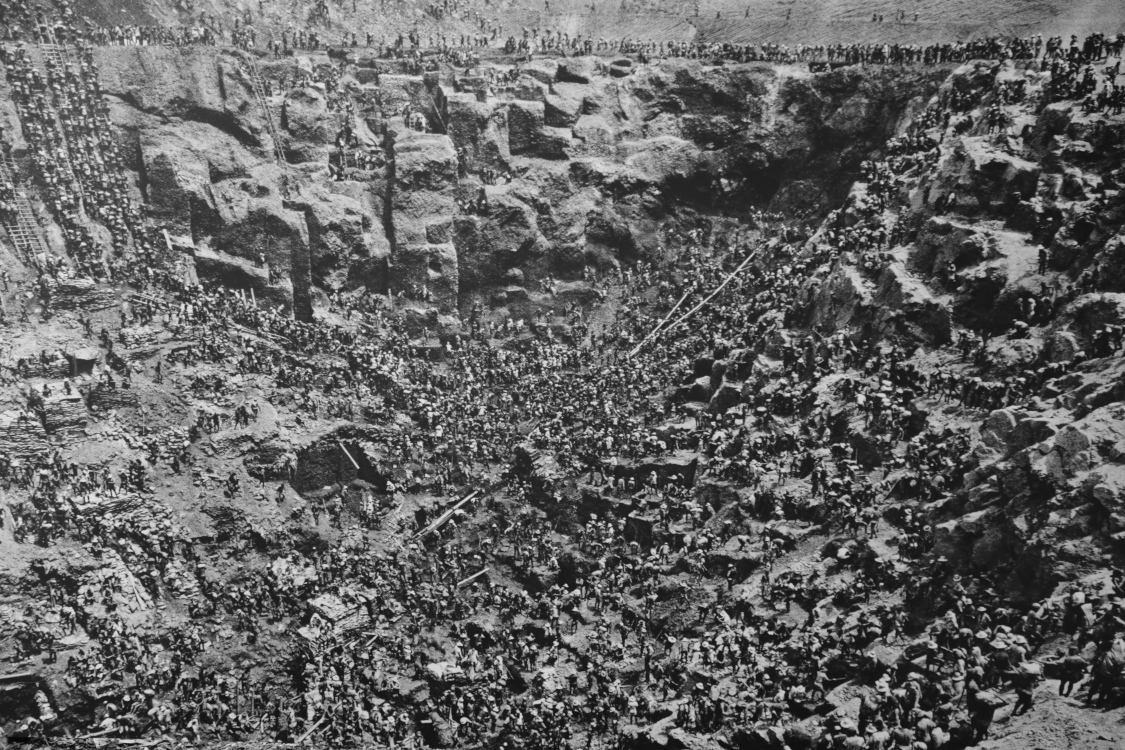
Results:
x,y
1025,677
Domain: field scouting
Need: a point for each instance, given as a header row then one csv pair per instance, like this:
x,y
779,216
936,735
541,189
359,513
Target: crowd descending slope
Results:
x,y
869,494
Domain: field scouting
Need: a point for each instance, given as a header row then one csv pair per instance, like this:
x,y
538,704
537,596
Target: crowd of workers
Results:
x,y
65,122
629,628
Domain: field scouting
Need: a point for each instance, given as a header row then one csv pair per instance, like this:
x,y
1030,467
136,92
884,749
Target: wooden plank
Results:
x,y
473,577
659,325
309,733
709,297
445,516
349,455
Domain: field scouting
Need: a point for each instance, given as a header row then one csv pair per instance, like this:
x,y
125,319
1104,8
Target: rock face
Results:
x,y
348,246
192,83
430,266
503,237
844,298
573,135
480,129
208,177
748,130
905,305
308,123
1090,313
254,227
421,201
983,177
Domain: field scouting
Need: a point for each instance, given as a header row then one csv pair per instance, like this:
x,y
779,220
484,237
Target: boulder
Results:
x,y
1009,430
841,300
906,305
423,161
538,467
555,143
944,240
853,115
437,731
727,396
1106,487
527,89
662,157
561,111
398,91
978,172
608,228
577,70
699,390
998,428
1024,217
1090,313
1062,346
983,540
253,226
525,126
544,71
641,529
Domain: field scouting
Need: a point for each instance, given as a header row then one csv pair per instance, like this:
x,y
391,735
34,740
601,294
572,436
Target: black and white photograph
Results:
x,y
562,375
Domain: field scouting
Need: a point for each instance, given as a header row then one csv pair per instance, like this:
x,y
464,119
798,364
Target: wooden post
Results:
x,y
473,577
709,297
349,455
308,734
446,515
659,325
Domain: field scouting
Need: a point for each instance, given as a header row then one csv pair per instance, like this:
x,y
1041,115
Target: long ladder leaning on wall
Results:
x,y
21,225
59,57
278,151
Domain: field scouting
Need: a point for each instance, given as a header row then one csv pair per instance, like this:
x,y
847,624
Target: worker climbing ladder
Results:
x,y
263,102
55,57
21,225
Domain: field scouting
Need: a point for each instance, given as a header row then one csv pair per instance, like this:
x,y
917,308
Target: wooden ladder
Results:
x,y
55,58
23,229
278,152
